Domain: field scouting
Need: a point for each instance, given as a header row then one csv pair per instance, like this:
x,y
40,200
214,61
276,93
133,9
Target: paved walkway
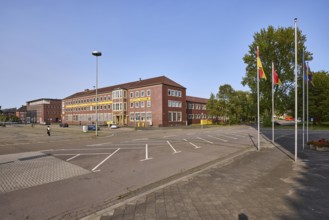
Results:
x,y
260,185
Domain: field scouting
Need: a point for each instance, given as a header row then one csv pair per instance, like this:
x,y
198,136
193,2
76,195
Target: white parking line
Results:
x,y
96,145
71,158
238,135
228,136
194,145
205,140
175,152
146,153
141,139
94,169
86,154
218,138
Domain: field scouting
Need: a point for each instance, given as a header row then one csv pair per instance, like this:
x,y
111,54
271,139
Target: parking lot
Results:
x,y
125,159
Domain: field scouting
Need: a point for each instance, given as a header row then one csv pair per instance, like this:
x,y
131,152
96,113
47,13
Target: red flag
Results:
x,y
260,66
276,79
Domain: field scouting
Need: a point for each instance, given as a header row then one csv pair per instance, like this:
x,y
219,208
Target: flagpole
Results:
x,y
258,139
303,99
296,115
272,103
307,117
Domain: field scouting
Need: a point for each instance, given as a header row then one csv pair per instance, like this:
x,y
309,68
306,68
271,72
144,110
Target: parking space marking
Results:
x,y
96,145
146,154
94,169
169,136
71,158
238,135
196,147
230,137
218,138
175,151
205,140
141,139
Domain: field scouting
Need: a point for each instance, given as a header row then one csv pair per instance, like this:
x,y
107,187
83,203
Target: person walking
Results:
x,y
48,131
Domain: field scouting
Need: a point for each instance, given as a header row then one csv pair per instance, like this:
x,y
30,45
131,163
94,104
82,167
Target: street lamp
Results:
x,y
96,54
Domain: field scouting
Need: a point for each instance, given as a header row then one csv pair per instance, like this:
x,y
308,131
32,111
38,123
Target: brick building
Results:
x,y
43,111
196,109
156,101
21,114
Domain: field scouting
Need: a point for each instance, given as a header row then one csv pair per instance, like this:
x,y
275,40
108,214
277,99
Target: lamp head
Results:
x,y
96,53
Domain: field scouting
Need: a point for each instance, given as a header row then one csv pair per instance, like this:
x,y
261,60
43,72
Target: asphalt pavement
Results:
x,y
246,184
265,184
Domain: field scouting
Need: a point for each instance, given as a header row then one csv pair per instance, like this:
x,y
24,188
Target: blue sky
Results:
x,y
46,45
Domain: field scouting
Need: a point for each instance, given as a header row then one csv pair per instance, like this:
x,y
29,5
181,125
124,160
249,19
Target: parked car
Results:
x,y
114,126
93,128
64,125
289,118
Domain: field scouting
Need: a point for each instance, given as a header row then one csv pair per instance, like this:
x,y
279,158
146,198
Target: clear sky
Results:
x,y
46,45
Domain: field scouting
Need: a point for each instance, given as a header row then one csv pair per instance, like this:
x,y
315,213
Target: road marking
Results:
x,y
141,139
184,140
175,152
85,154
146,153
169,136
95,145
194,145
71,158
228,136
238,135
218,138
94,169
205,140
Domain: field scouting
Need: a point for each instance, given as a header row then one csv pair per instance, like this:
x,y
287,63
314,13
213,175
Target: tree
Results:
x,y
277,46
212,106
230,105
224,96
319,97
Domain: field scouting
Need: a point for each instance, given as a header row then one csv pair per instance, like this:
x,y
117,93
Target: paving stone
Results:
x,y
261,185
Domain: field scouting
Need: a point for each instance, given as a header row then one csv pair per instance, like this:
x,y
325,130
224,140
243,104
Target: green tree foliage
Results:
x,y
319,97
212,106
230,106
10,118
277,46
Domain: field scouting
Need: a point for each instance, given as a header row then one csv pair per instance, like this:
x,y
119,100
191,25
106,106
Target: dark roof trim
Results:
x,y
131,85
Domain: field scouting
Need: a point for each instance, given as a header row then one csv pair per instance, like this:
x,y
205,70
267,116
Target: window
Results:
x,y
132,116
131,105
142,104
148,104
137,94
142,93
142,116
137,116
131,94
136,104
175,93
174,116
174,104
148,92
149,116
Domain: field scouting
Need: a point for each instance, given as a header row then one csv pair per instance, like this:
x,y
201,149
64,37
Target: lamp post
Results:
x,y
96,54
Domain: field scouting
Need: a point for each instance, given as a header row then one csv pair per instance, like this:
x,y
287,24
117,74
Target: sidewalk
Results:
x,y
260,185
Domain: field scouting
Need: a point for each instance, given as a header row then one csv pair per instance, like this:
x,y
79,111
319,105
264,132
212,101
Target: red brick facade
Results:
x,y
43,111
151,102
